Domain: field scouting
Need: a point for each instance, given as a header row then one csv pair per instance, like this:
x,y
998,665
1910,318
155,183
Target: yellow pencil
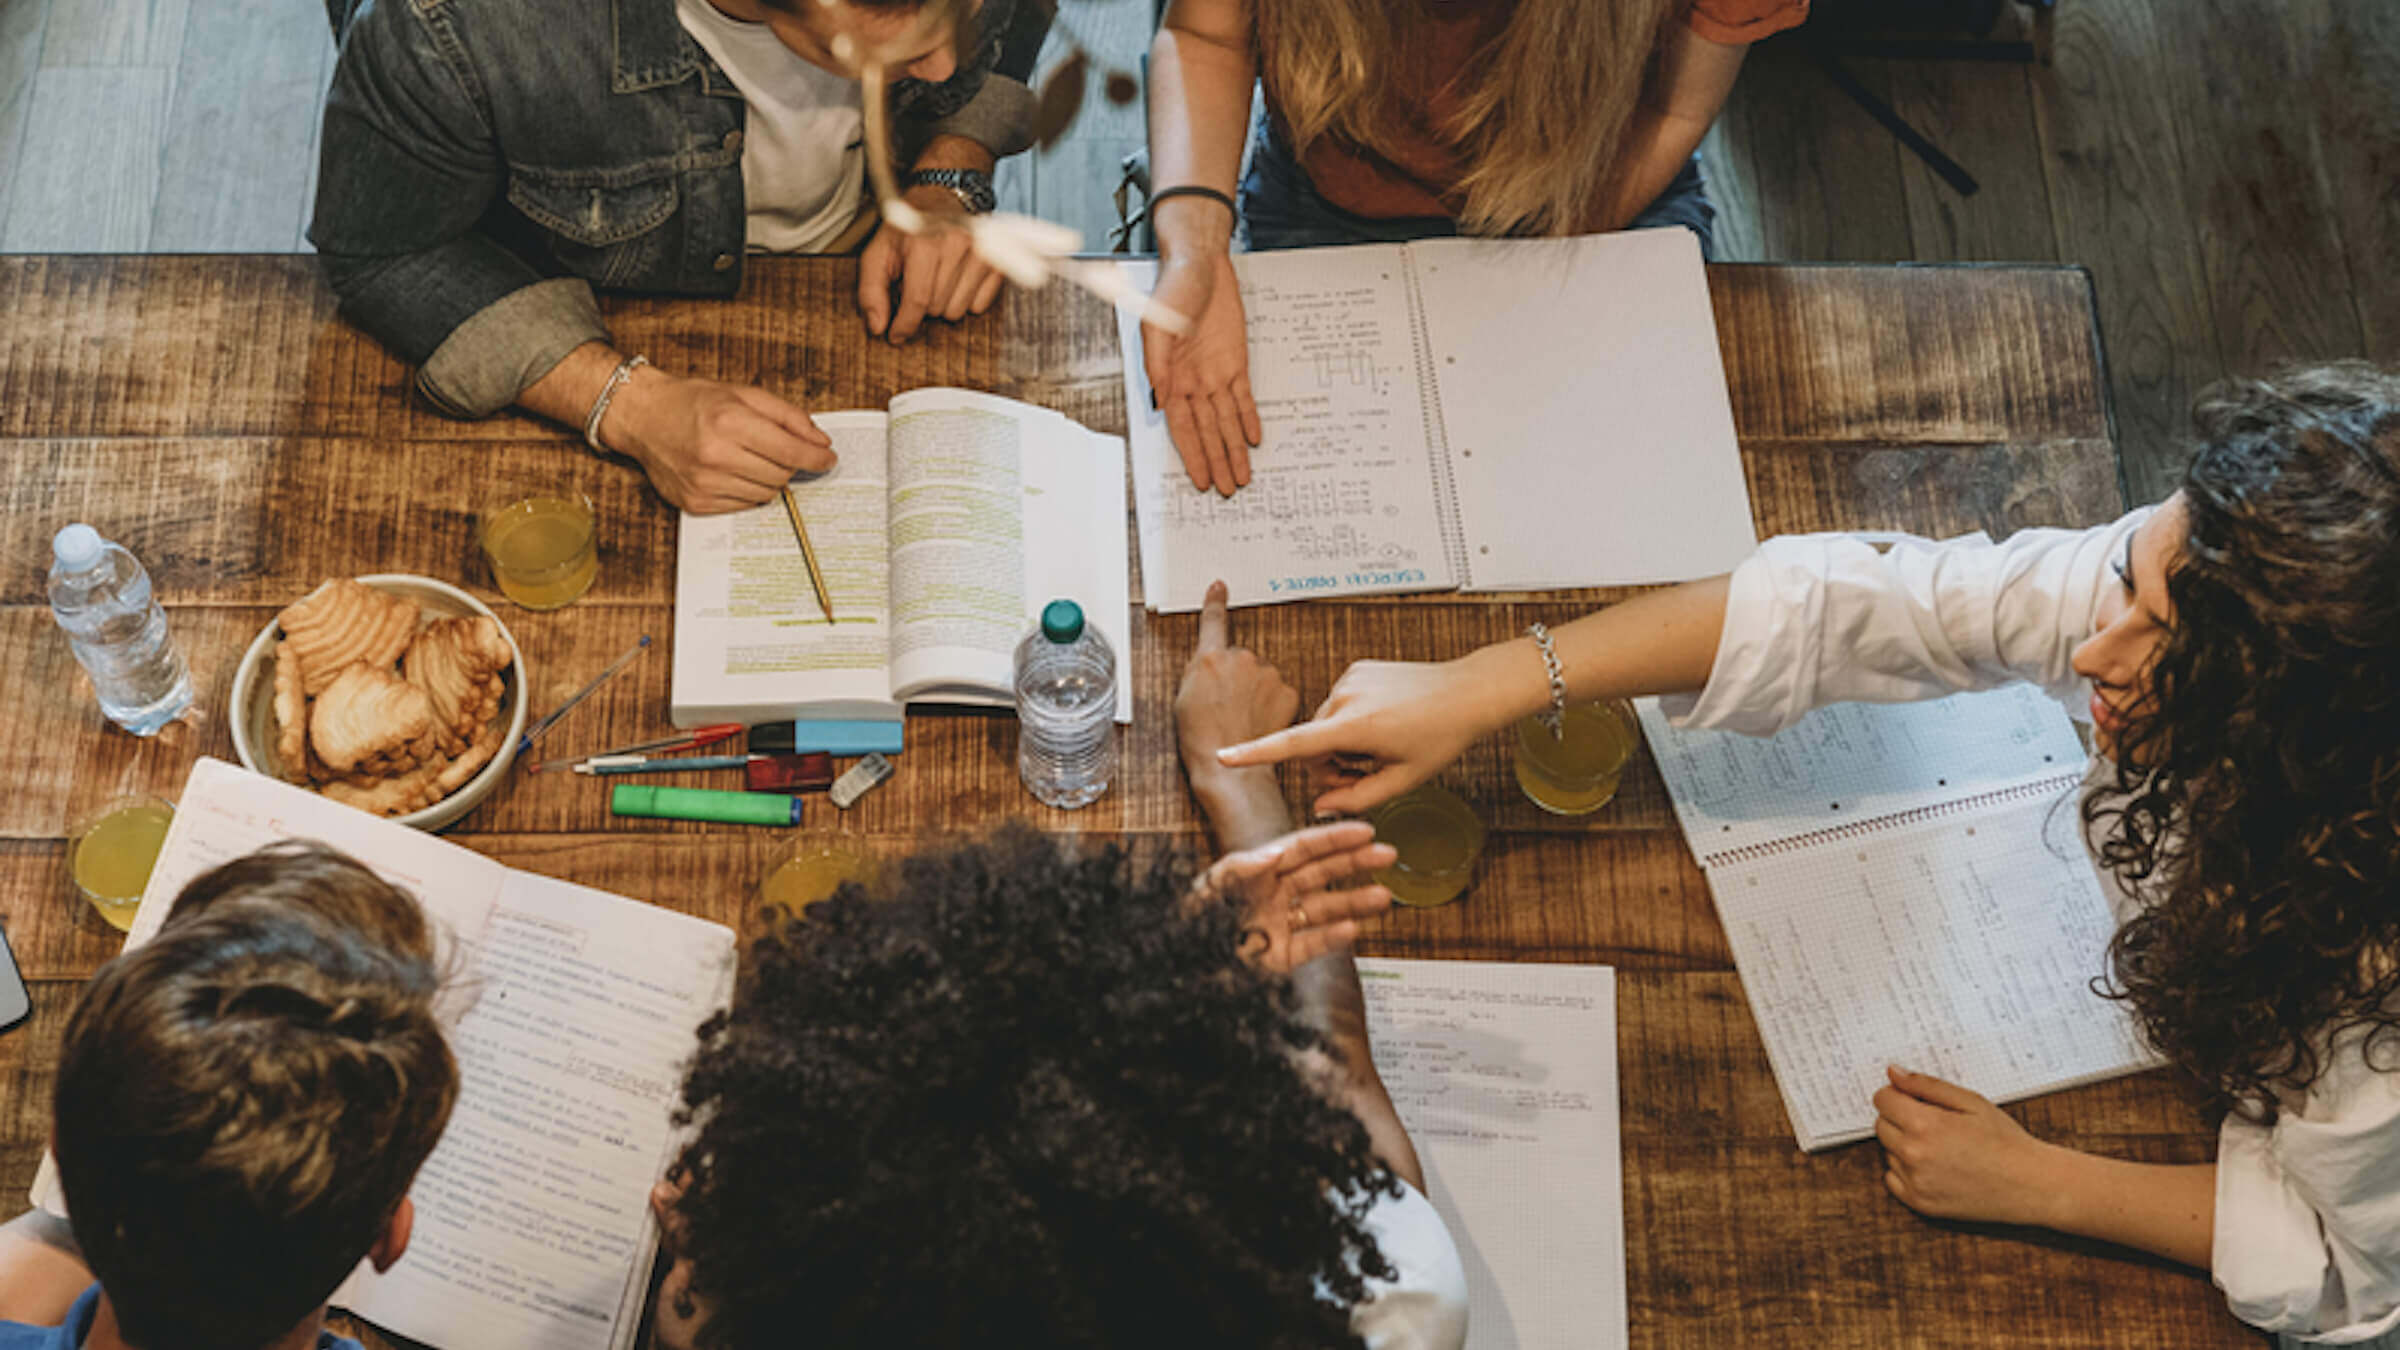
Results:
x,y
807,554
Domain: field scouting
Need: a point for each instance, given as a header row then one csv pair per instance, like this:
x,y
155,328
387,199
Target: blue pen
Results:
x,y
661,764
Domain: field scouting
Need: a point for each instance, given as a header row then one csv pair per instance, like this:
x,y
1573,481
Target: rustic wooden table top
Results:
x,y
213,415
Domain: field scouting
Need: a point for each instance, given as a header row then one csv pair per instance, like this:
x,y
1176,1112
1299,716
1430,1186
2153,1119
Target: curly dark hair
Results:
x,y
2257,801
1018,1093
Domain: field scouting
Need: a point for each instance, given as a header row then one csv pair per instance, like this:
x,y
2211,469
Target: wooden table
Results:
x,y
212,414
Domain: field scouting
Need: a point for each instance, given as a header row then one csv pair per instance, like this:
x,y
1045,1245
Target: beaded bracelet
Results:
x,y
616,381
1556,718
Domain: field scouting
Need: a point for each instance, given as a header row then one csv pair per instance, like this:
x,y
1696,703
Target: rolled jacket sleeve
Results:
x,y
2308,1208
1828,618
408,169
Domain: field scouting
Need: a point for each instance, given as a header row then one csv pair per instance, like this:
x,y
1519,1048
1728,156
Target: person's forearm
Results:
x,y
1660,642
1333,1001
954,152
1199,114
1685,92
2167,1210
1657,146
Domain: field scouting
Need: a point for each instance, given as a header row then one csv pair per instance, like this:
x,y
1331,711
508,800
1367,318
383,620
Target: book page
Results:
x,y
1584,398
1061,528
958,538
1963,947
533,1217
1506,1076
226,811
1851,762
751,642
1341,496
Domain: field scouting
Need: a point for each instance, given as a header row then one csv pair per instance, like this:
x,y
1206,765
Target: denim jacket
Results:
x,y
485,163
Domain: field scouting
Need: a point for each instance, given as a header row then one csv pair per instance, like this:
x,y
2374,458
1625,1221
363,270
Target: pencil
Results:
x,y
808,555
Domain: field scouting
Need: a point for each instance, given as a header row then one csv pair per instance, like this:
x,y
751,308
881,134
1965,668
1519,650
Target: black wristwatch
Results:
x,y
973,186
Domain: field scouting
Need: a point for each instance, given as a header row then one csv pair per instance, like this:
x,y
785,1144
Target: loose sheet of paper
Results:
x,y
1341,496
1850,762
1963,947
1506,1076
533,1220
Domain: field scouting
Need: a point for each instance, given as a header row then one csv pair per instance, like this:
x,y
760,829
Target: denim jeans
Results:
x,y
1281,208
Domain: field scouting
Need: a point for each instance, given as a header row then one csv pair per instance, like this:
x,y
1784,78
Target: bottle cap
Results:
x,y
78,547
1062,621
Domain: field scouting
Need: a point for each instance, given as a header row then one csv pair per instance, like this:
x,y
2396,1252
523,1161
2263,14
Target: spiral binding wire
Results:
x,y
1437,428
1915,815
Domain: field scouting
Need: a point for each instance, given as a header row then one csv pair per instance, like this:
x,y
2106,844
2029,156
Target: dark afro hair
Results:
x,y
1015,1094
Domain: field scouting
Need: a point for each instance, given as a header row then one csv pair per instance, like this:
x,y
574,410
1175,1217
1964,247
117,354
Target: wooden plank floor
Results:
x,y
2225,168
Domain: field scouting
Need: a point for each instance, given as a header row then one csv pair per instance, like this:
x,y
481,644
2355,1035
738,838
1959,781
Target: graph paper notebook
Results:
x,y
1506,1076
1906,884
1457,414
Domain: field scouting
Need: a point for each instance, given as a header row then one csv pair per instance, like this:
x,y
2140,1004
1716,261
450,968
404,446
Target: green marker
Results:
x,y
730,808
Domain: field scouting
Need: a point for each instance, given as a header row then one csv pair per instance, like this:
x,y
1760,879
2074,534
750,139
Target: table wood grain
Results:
x,y
215,416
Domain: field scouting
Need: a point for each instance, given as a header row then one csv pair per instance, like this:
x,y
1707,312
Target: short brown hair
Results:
x,y
243,1100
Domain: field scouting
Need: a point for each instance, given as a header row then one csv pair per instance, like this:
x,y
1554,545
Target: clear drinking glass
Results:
x,y
1439,838
1575,771
543,547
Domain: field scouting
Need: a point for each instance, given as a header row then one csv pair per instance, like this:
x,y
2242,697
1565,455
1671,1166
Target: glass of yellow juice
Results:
x,y
111,850
543,547
813,869
1438,837
1574,771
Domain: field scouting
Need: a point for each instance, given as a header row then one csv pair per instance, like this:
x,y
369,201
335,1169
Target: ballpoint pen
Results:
x,y
808,554
682,740
534,732
661,764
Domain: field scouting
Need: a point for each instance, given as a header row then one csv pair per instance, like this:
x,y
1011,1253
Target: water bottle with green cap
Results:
x,y
1066,708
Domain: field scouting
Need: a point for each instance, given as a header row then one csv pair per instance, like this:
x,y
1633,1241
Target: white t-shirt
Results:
x,y
2307,1238
1425,1306
804,160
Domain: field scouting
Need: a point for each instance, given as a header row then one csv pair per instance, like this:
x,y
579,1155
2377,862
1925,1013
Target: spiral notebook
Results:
x,y
1457,414
1906,884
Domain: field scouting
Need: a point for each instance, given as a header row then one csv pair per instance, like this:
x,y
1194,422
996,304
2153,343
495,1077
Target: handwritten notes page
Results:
x,y
1341,496
1906,884
1962,947
533,1223
1506,1076
1850,762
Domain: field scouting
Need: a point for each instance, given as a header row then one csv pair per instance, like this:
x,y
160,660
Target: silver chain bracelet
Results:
x,y
1556,718
616,381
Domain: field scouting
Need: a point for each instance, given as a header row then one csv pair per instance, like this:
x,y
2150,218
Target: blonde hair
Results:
x,y
1542,111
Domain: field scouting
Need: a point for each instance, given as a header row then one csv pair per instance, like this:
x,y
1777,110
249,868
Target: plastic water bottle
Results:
x,y
101,596
1066,709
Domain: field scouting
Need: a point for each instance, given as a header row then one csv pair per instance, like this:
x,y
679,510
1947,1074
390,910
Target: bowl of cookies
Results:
x,y
400,695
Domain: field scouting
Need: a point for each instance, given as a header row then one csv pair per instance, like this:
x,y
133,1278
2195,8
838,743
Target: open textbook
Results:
x,y
572,1016
1906,884
1506,1076
946,524
1457,414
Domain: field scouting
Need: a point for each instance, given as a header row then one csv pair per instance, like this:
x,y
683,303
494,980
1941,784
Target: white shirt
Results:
x,y
1425,1306
804,159
2308,1209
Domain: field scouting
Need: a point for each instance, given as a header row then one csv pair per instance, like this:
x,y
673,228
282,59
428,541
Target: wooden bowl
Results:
x,y
253,711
